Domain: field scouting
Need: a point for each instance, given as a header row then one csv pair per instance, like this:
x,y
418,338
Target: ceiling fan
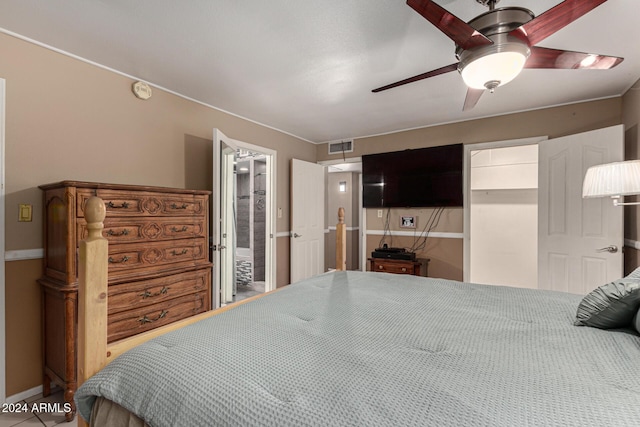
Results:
x,y
494,47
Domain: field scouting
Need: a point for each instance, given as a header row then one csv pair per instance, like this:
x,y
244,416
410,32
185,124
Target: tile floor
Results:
x,y
249,290
36,418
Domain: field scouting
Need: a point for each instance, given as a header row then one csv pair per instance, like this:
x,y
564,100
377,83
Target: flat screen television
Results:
x,y
425,177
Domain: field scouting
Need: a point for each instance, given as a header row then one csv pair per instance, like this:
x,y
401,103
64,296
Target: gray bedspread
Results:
x,y
375,349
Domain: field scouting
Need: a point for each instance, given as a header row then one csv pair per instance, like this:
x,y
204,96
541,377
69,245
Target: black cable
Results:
x,y
426,226
386,231
434,219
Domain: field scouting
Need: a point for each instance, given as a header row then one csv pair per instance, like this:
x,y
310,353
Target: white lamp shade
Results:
x,y
612,179
500,66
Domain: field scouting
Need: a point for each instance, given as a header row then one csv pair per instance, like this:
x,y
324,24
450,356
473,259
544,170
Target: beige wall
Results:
x,y
444,254
66,119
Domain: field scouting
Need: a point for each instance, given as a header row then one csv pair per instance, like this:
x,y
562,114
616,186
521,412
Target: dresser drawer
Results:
x,y
120,230
139,203
394,268
131,260
383,265
137,320
148,292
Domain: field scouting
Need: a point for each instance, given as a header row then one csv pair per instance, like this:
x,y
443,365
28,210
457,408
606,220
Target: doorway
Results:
x,y
504,197
571,231
243,219
250,261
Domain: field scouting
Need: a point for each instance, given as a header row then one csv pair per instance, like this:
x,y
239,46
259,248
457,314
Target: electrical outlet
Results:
x,y
279,212
379,213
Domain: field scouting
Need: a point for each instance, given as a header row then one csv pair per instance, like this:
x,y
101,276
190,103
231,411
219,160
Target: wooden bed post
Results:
x,y
341,242
92,294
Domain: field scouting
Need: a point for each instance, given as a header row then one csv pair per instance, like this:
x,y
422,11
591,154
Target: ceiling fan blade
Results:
x,y
554,19
433,73
463,34
473,95
542,57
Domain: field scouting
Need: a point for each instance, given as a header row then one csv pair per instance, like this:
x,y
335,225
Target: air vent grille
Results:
x,y
341,147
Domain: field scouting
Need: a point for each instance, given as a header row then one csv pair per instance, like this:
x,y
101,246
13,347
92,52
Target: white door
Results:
x,y
224,150
572,231
307,219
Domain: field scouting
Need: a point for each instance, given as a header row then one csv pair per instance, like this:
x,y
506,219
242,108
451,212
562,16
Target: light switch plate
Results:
x,y
25,213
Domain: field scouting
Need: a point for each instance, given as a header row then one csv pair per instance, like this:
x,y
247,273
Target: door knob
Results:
x,y
297,235
611,249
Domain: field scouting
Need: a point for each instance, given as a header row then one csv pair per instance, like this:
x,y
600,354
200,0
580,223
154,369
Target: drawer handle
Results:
x,y
124,232
147,294
381,267
404,268
112,205
113,261
175,253
175,206
143,320
179,230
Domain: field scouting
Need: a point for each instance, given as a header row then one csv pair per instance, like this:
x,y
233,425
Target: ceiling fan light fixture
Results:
x,y
588,61
493,69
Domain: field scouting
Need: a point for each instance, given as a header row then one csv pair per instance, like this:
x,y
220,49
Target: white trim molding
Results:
x,y
24,394
438,234
24,254
333,228
632,244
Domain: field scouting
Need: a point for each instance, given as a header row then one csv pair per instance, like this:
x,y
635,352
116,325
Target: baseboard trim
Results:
x,y
24,395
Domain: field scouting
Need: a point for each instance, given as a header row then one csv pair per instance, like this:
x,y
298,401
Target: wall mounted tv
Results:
x,y
425,177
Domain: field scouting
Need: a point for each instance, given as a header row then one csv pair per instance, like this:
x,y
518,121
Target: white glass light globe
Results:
x,y
499,67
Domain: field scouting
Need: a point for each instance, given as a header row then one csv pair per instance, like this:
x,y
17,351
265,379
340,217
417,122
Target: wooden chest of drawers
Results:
x,y
159,267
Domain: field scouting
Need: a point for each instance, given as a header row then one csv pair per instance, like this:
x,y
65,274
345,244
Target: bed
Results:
x,y
375,349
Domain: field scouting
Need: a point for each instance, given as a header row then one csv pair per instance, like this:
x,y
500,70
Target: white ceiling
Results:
x,y
307,67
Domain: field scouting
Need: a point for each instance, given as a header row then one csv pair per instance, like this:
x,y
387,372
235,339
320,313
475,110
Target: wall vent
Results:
x,y
338,147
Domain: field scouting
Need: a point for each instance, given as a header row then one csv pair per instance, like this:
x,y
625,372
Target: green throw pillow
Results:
x,y
612,305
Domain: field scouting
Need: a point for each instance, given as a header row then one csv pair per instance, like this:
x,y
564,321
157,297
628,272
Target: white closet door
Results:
x,y
572,230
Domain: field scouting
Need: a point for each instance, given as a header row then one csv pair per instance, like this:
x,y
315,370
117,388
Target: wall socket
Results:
x,y
379,213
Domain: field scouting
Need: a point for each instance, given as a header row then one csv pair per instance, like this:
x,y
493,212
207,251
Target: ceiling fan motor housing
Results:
x,y
496,25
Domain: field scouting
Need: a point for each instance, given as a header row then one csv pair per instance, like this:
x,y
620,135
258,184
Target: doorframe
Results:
x,y
270,206
466,190
362,217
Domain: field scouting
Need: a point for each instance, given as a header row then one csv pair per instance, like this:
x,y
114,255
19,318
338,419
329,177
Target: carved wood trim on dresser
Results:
x,y
159,265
